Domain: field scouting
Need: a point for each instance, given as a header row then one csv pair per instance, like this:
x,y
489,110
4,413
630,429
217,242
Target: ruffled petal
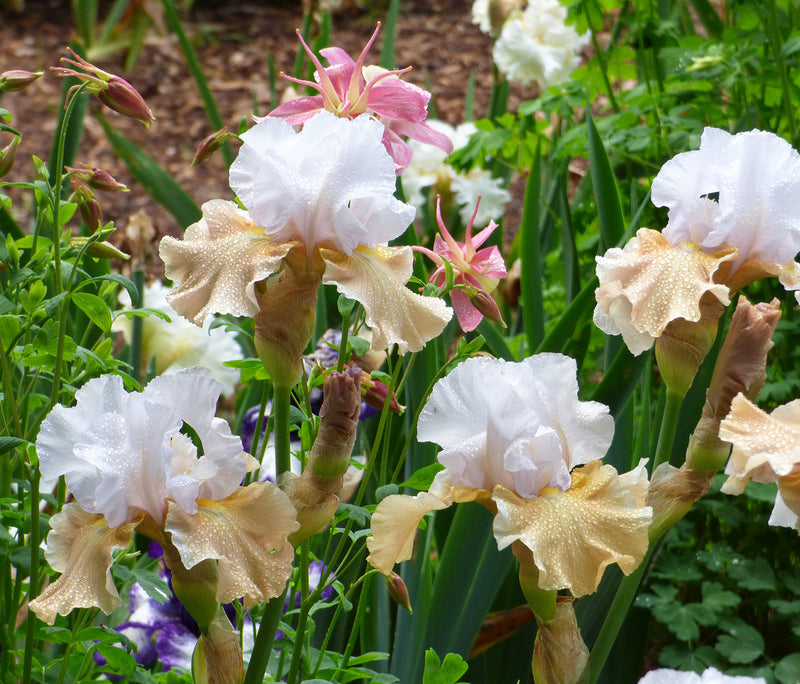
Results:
x,y
376,278
218,262
247,533
574,535
765,446
79,546
394,527
649,283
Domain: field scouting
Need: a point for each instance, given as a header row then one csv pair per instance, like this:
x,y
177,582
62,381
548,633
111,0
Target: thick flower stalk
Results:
x,y
320,209
516,439
130,466
734,217
349,89
314,493
476,272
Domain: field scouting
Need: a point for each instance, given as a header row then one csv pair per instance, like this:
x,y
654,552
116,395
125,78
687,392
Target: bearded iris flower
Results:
x,y
734,217
516,439
320,209
130,466
349,89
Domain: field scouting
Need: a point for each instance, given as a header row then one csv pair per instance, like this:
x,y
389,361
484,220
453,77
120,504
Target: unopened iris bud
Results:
x,y
741,367
8,155
314,495
13,81
684,344
114,92
97,179
559,654
211,144
217,657
398,590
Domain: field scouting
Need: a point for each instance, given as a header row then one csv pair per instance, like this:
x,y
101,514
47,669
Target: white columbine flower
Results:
x,y
129,466
320,208
177,344
537,46
516,439
734,217
429,169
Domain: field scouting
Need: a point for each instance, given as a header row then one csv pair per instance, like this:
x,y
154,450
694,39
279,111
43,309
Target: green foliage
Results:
x,y
723,590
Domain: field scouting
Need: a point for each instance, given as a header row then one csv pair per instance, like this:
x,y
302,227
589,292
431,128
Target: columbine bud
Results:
x,y
12,81
88,206
97,179
376,393
8,155
314,494
485,303
114,92
741,367
98,249
211,144
398,590
684,344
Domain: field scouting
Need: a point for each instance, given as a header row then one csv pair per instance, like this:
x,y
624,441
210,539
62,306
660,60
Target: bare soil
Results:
x,y
233,41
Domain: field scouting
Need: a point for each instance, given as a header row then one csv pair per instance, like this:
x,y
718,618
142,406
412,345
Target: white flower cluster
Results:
x,y
535,45
429,169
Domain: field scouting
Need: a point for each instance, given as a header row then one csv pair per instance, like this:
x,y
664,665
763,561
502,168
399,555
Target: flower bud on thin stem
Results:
x,y
398,591
95,178
114,92
17,79
8,155
741,367
211,144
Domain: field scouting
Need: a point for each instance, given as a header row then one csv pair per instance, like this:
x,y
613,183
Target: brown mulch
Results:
x,y
233,41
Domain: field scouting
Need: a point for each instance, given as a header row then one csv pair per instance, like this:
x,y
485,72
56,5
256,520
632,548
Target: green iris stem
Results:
x,y
299,637
281,398
616,616
262,647
669,424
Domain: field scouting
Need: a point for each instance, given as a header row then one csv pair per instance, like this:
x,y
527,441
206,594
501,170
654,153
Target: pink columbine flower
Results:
x,y
349,89
476,271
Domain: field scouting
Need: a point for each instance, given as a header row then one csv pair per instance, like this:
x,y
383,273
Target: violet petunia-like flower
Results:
x,y
476,271
516,439
734,217
349,89
129,466
320,208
